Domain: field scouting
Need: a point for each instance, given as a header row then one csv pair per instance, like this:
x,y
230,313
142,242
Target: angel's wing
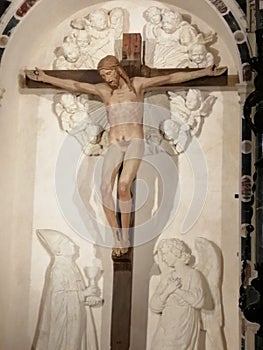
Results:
x,y
209,260
206,106
210,265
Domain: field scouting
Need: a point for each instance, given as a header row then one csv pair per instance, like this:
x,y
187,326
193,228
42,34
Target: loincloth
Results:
x,y
133,148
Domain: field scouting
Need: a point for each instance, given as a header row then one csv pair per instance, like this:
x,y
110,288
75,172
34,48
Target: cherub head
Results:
x,y
193,99
78,23
71,51
116,16
153,15
68,102
198,53
57,243
170,21
170,129
82,39
84,100
99,19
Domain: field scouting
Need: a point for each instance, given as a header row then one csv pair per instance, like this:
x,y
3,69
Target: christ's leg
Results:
x,y
131,163
111,165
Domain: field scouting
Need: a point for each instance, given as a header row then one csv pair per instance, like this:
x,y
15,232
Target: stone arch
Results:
x,y
228,13
23,46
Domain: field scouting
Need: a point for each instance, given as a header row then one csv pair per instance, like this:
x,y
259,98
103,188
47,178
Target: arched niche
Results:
x,y
30,44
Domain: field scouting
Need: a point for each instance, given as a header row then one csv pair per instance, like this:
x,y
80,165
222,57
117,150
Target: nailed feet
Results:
x,y
121,248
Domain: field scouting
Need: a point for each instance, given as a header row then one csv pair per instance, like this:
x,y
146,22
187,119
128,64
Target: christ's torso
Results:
x,y
124,113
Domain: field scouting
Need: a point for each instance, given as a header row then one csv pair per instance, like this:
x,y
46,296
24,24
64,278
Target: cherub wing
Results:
x,y
210,265
177,100
58,109
207,105
205,38
178,107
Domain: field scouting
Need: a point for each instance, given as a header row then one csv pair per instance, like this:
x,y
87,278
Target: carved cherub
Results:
x,y
191,109
116,19
173,39
73,113
153,16
178,43
199,57
102,36
91,38
73,55
176,133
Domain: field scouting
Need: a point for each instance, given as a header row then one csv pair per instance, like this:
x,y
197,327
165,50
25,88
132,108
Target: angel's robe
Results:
x,y
179,325
65,321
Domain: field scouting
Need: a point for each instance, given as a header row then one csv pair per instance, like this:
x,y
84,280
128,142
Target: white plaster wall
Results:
x,y
30,142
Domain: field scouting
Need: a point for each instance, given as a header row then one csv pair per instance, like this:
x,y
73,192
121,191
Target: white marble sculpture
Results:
x,y
210,264
188,298
153,16
91,38
116,21
172,42
75,119
65,315
117,24
191,108
73,53
102,37
177,134
178,298
187,114
199,57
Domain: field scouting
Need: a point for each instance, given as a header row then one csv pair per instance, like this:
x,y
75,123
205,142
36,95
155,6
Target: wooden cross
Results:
x,y
123,266
131,62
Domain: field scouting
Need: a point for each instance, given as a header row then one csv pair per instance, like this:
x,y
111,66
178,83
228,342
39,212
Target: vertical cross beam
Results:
x,y
132,53
122,294
123,266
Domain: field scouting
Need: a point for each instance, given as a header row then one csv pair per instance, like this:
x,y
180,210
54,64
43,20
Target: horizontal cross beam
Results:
x,y
92,76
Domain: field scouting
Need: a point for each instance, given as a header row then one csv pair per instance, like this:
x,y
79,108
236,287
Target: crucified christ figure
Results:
x,y
123,98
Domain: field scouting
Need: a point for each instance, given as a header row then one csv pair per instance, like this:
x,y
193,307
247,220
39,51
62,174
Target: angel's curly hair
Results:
x,y
177,247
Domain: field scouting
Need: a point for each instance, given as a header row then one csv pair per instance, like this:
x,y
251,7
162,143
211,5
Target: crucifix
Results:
x,y
121,87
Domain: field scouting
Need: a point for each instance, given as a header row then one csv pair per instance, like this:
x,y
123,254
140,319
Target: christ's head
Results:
x,y
111,72
111,77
